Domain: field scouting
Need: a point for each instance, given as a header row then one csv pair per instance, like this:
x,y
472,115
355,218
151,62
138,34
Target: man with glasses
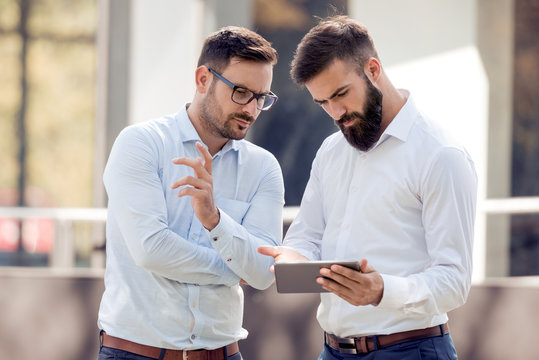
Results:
x,y
190,202
390,190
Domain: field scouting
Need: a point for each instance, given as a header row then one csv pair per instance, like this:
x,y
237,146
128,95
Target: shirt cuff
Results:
x,y
395,291
220,237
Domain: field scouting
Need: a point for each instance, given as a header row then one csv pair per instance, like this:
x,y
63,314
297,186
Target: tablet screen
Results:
x,y
300,277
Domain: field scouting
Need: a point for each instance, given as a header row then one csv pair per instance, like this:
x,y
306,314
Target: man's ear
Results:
x,y
373,69
203,79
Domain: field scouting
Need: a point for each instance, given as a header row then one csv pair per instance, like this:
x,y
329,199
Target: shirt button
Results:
x,y
194,236
229,260
215,238
193,337
193,304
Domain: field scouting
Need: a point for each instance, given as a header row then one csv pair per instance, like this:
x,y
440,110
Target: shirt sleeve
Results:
x,y
448,192
237,240
306,231
137,204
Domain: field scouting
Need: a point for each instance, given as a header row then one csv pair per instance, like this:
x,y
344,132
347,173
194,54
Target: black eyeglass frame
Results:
x,y
256,96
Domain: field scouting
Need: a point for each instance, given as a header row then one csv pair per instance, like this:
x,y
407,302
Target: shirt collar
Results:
x,y
189,133
186,128
402,123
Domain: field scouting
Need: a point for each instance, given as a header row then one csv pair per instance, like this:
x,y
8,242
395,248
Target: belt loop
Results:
x,y
375,339
101,338
162,354
442,330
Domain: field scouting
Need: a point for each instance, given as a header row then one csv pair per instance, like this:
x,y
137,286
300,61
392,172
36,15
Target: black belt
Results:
x,y
366,344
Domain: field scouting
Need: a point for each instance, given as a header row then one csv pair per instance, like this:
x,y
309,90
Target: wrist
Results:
x,y
213,220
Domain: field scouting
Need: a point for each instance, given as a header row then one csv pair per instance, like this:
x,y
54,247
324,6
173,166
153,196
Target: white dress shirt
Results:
x,y
169,282
407,206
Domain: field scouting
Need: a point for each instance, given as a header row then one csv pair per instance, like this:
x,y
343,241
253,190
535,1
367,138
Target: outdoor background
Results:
x,y
73,73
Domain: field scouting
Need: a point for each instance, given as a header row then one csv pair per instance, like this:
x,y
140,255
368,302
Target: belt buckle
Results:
x,y
347,346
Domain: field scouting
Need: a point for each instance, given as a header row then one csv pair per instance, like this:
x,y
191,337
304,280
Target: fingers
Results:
x,y
269,251
197,165
192,181
272,251
206,156
342,275
358,287
191,191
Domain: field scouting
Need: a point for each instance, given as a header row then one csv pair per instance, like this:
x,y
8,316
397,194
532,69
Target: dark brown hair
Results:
x,y
234,41
337,37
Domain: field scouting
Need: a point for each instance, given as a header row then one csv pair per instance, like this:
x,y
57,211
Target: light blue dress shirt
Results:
x,y
169,282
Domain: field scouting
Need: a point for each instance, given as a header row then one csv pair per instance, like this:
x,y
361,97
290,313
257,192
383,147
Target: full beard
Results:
x,y
365,130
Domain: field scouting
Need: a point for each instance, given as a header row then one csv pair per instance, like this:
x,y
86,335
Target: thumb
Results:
x,y
365,267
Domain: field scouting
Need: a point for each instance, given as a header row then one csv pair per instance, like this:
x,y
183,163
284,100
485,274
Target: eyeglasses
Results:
x,y
243,96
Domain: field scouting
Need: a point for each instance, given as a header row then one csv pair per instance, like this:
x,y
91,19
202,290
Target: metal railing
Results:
x,y
63,252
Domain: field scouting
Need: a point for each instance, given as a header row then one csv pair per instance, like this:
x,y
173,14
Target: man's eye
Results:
x,y
242,91
342,94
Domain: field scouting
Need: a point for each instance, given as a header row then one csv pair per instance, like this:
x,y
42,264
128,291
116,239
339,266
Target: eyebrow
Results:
x,y
233,84
335,93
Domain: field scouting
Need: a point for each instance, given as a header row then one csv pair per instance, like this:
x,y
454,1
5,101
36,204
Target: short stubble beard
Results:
x,y
211,112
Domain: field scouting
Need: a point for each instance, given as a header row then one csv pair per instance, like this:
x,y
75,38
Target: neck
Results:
x,y
392,103
212,141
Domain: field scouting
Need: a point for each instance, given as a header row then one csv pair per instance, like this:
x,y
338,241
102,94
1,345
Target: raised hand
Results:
x,y
199,187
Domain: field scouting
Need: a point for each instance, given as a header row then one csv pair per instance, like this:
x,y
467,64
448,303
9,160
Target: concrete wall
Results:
x,y
52,314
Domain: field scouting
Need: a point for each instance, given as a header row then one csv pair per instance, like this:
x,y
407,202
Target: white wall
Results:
x,y
429,47
166,38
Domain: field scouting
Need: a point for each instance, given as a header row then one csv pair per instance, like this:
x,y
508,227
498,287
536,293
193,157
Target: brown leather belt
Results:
x,y
155,352
366,344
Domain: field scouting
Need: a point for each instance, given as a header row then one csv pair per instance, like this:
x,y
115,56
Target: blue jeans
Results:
x,y
434,348
106,353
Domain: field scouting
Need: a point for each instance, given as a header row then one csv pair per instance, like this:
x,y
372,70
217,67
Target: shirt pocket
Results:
x,y
236,209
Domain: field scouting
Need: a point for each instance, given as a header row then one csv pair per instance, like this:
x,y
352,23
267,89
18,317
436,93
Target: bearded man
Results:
x,y
389,190
190,202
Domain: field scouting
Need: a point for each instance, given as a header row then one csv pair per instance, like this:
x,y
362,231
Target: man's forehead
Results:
x,y
253,75
334,78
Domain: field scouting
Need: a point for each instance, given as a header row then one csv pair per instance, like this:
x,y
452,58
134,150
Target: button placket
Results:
x,y
348,219
193,301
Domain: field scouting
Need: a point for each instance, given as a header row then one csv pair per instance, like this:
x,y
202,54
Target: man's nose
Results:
x,y
251,108
336,110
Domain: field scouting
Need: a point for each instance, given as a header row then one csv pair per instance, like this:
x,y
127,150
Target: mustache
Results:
x,y
348,117
242,116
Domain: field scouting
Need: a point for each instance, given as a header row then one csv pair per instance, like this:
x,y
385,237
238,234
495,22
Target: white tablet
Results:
x,y
300,277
